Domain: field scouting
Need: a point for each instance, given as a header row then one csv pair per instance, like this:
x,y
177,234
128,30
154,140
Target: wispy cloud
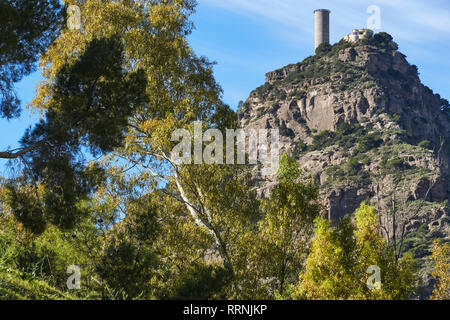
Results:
x,y
421,28
408,20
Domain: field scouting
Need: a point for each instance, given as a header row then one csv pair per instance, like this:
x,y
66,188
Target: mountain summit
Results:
x,y
360,122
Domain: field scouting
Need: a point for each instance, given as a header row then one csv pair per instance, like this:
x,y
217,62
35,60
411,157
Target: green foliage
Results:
x,y
323,140
349,173
201,282
264,90
346,136
383,42
14,287
48,257
27,29
127,266
129,260
300,147
338,47
353,166
260,113
82,92
323,49
286,228
300,94
326,270
224,118
325,65
396,117
424,144
441,272
279,94
142,227
395,163
288,169
369,142
285,131
35,268
88,88
337,264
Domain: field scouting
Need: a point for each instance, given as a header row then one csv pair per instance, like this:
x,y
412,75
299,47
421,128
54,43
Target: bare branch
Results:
x,y
17,153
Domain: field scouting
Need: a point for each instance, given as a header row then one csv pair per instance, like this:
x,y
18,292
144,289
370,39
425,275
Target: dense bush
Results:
x,y
369,142
395,163
351,172
323,49
323,140
346,136
383,42
299,148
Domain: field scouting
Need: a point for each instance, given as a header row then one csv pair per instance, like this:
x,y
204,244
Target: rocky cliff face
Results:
x,y
360,122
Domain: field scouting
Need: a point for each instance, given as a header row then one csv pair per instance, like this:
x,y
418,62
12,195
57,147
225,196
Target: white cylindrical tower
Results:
x,y
321,26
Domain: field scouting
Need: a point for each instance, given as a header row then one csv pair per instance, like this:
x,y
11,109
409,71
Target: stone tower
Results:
x,y
321,26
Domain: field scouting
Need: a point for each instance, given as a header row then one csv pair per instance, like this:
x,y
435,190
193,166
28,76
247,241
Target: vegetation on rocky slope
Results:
x,y
357,119
138,225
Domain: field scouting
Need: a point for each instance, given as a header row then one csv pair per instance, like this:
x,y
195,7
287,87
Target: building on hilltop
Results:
x,y
322,29
359,34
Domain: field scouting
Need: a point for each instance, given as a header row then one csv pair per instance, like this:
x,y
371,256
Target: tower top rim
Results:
x,y
322,10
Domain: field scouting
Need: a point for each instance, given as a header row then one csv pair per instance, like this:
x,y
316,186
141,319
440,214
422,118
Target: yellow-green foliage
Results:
x,y
441,258
286,228
13,287
337,265
20,284
156,229
326,276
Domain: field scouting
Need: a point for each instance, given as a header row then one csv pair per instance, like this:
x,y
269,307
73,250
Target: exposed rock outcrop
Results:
x,y
361,123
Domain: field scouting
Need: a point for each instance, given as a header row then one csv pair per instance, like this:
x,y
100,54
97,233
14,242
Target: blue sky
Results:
x,y
248,38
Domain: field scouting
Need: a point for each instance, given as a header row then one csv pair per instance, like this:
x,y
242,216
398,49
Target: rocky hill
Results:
x,y
360,122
